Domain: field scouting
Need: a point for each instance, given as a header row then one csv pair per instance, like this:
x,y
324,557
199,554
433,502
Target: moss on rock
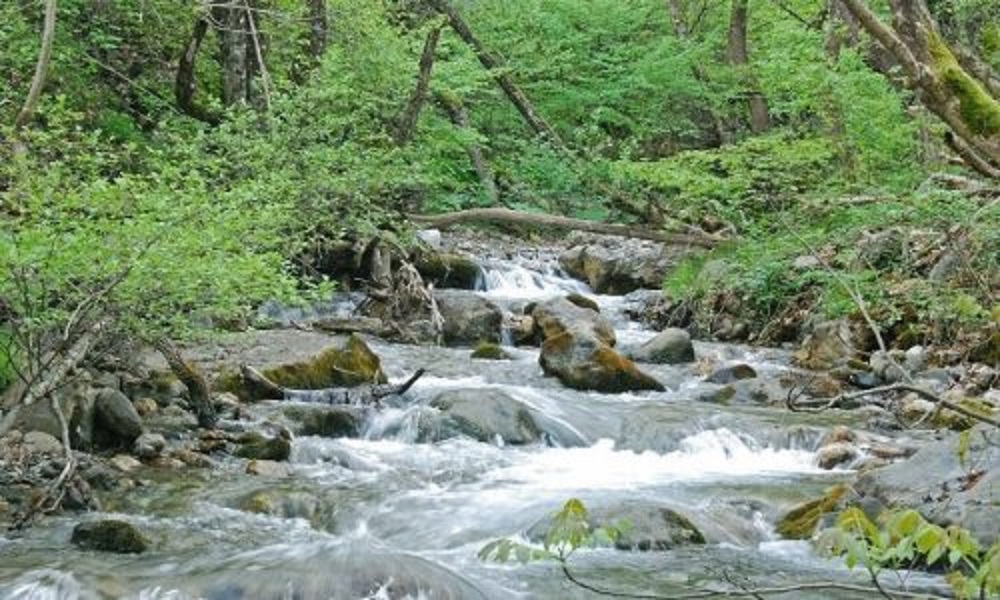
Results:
x,y
109,536
800,522
490,351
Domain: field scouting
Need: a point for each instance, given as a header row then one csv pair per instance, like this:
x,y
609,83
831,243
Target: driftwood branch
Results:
x,y
357,396
504,215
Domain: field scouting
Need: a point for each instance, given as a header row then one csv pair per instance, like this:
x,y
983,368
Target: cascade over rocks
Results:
x,y
577,348
615,265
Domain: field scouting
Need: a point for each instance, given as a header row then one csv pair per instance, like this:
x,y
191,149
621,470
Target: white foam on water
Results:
x,y
514,282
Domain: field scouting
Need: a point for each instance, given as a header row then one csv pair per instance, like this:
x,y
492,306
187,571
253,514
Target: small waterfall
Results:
x,y
508,280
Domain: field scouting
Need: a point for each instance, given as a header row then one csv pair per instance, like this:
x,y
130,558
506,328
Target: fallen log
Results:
x,y
356,396
506,215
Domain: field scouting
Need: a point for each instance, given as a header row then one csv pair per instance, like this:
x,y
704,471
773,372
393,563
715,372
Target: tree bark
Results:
x,y
459,117
41,68
319,28
492,63
185,83
932,70
738,55
408,120
504,215
199,393
233,30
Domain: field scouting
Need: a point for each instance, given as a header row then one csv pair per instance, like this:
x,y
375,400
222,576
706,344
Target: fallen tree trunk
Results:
x,y
199,393
357,396
505,215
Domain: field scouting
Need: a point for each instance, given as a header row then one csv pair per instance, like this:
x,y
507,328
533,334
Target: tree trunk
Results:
x,y
504,215
199,393
233,29
934,73
738,55
185,83
500,75
41,67
457,114
408,120
318,29
683,31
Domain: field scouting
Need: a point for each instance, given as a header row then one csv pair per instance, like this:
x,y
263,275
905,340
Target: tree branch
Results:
x,y
41,67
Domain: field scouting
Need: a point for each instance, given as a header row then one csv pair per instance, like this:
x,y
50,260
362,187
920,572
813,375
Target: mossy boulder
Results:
x,y
351,364
447,270
652,527
490,351
256,446
109,536
800,522
583,302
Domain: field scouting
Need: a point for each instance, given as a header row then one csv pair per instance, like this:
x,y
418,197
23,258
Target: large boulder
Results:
x,y
468,318
671,346
577,348
613,265
116,422
447,270
351,364
831,344
651,526
945,487
485,415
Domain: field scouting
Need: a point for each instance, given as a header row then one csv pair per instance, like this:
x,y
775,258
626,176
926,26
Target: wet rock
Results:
x,y
586,363
559,315
888,368
485,415
256,446
837,454
521,328
192,458
490,351
583,302
326,421
800,522
468,318
117,423
124,463
149,446
287,504
269,468
732,373
823,386
864,380
109,536
652,526
945,488
612,265
831,344
351,364
837,434
670,346
146,406
447,270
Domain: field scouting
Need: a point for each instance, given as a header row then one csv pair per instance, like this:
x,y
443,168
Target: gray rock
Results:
x,y
670,346
117,423
431,237
326,421
837,454
109,536
888,367
650,526
612,265
149,445
731,374
915,359
831,344
943,489
39,442
485,415
468,318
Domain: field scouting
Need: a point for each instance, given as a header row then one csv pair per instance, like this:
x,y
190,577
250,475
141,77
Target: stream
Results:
x,y
383,516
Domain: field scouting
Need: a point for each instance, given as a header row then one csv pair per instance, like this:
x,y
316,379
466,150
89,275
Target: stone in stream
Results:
x,y
109,535
490,351
117,423
323,420
731,374
448,270
255,445
351,364
671,346
831,344
484,415
800,522
577,348
468,318
650,526
149,446
945,488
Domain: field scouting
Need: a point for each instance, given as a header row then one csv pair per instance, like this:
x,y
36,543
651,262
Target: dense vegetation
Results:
x,y
184,157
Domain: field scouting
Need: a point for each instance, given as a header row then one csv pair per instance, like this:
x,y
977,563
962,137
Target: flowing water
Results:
x,y
384,516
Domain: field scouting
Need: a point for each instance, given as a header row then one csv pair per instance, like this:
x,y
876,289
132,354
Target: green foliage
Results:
x,y
569,532
904,540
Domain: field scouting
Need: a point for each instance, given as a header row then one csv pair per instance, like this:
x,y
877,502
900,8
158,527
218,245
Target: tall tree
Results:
x,y
41,67
682,30
739,57
407,122
949,91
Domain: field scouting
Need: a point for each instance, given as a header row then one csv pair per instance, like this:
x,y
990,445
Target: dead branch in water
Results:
x,y
357,396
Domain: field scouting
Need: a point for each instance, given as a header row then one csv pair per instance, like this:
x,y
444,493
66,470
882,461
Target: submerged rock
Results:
x,y
731,374
351,364
109,536
485,415
254,445
468,318
650,526
670,346
326,421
